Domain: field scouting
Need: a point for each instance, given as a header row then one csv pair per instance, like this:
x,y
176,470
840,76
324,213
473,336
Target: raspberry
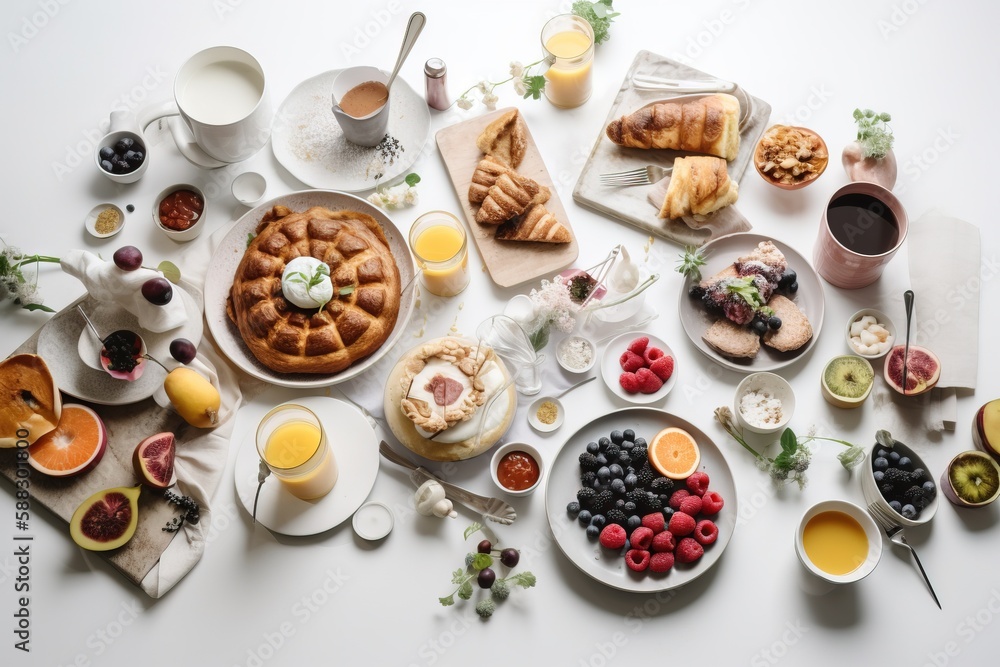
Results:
x,y
647,380
630,361
661,562
629,382
697,483
663,367
641,538
651,354
638,559
613,536
654,522
711,503
638,346
688,550
706,532
681,524
664,541
691,505
677,497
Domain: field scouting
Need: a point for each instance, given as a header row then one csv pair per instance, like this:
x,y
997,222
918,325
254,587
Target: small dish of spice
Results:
x,y
764,403
576,354
104,220
516,468
546,414
179,212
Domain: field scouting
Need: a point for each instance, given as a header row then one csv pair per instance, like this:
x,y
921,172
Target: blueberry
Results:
x,y
881,453
759,327
602,459
618,486
896,505
593,532
593,448
774,322
787,278
107,166
604,442
905,463
616,471
584,517
881,463
628,544
929,489
124,144
793,288
634,522
573,507
617,437
107,153
894,457
624,458
909,512
598,520
604,474
630,481
919,474
879,475
639,442
130,208
627,445
121,167
629,434
620,503
135,158
628,507
667,512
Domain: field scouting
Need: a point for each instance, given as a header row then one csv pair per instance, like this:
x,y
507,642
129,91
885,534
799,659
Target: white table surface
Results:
x,y
333,597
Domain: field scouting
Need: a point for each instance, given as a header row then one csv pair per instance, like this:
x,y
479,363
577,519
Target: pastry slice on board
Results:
x,y
484,177
505,139
710,124
699,185
510,196
537,224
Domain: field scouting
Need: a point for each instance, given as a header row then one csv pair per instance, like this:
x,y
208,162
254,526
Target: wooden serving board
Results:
x,y
508,262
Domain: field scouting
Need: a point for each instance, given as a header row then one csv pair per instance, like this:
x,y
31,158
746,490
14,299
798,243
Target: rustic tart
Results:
x,y
355,323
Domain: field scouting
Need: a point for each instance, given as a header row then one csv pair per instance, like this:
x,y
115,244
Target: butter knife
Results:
x,y
646,82
492,509
908,303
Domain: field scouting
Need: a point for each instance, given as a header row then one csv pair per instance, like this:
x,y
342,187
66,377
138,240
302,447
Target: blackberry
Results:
x,y
640,442
588,462
573,508
644,476
888,491
602,502
616,516
896,477
653,503
586,496
662,485
637,496
612,451
639,454
624,459
587,478
914,494
918,475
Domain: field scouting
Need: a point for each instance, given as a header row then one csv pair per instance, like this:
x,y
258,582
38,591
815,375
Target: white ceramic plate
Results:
x,y
309,143
227,258
719,254
66,337
608,567
355,449
611,369
537,423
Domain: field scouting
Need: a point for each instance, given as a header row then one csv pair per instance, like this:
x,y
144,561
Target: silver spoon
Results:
x,y
908,304
413,29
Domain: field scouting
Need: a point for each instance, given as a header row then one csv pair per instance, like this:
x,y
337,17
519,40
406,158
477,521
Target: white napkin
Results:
x,y
106,282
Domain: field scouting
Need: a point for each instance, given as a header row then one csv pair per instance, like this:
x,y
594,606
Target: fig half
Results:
x,y
107,519
923,369
153,460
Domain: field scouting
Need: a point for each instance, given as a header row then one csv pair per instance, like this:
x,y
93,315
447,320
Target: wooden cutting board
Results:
x,y
508,262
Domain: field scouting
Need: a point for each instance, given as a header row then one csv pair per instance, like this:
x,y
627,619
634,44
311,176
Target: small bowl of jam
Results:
x,y
516,468
179,212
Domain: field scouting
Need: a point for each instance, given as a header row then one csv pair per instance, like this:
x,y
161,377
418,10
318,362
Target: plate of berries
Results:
x,y
639,367
641,500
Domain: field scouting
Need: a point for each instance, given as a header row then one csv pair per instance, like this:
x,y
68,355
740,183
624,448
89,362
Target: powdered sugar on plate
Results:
x,y
309,143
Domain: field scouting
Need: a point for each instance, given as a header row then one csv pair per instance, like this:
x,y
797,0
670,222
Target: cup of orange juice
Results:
x,y
568,46
838,541
292,443
438,242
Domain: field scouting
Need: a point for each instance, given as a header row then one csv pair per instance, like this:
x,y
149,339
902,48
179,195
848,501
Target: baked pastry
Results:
x,y
732,340
709,124
30,403
486,174
509,196
289,339
795,329
699,185
537,224
505,139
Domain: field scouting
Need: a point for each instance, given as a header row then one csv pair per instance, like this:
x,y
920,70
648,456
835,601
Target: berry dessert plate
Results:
x,y
721,253
608,566
612,370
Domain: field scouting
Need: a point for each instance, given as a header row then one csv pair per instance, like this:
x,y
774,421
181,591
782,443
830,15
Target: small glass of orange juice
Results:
x,y
568,45
292,443
438,242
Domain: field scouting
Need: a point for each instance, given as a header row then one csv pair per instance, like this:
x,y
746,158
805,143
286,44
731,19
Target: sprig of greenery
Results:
x,y
13,283
476,563
747,289
691,262
599,15
874,133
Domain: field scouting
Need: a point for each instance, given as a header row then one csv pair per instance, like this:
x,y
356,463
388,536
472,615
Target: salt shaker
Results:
x,y
436,84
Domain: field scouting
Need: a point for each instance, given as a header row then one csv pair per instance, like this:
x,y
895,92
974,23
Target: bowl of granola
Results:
x,y
790,157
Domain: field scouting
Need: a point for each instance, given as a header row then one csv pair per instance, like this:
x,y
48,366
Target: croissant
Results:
x,y
537,224
510,196
698,186
505,139
706,125
486,174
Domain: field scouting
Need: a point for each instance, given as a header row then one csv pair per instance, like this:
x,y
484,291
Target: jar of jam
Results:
x,y
180,209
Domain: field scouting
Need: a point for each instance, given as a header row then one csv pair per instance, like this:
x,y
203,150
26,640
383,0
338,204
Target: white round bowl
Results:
x,y
777,387
869,487
537,423
882,319
502,451
564,343
872,532
191,232
248,188
90,222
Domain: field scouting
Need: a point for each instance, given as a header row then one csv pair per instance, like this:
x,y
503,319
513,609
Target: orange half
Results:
x,y
75,446
674,453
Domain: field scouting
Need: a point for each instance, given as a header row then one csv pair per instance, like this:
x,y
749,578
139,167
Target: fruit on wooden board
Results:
x,y
153,460
30,404
193,396
923,369
107,519
986,428
75,446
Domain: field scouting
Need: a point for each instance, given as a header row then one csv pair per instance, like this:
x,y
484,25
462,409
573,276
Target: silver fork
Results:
x,y
895,534
641,176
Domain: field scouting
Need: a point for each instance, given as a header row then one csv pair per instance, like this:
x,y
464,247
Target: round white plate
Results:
x,y
719,254
66,337
308,141
355,450
611,369
608,567
227,258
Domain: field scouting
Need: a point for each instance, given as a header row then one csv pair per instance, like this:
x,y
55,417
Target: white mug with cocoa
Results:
x,y
361,104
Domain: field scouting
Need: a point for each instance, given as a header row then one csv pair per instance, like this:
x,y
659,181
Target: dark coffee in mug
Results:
x,y
863,224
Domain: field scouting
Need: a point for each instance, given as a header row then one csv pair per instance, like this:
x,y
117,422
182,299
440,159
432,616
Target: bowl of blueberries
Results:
x,y
121,154
897,480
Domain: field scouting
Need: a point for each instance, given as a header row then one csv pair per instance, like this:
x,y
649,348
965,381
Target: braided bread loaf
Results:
x,y
290,339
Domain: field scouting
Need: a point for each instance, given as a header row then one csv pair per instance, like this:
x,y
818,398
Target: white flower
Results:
x,y
464,103
484,87
520,87
490,100
410,197
375,198
516,69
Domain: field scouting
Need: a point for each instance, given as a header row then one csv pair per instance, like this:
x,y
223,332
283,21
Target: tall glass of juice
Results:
x,y
568,45
438,242
292,442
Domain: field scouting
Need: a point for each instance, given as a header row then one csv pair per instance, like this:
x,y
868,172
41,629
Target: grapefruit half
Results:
x,y
74,447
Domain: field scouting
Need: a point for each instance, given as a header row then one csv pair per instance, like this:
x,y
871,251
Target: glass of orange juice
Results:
x,y
439,244
292,443
568,45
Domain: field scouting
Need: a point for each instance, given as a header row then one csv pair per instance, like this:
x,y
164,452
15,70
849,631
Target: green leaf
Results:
x,y
535,86
481,561
448,601
250,238
169,271
412,179
458,576
347,290
37,306
789,443
746,288
465,592
522,579
473,529
691,262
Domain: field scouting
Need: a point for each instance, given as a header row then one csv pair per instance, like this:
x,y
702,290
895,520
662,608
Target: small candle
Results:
x,y
438,242
568,43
